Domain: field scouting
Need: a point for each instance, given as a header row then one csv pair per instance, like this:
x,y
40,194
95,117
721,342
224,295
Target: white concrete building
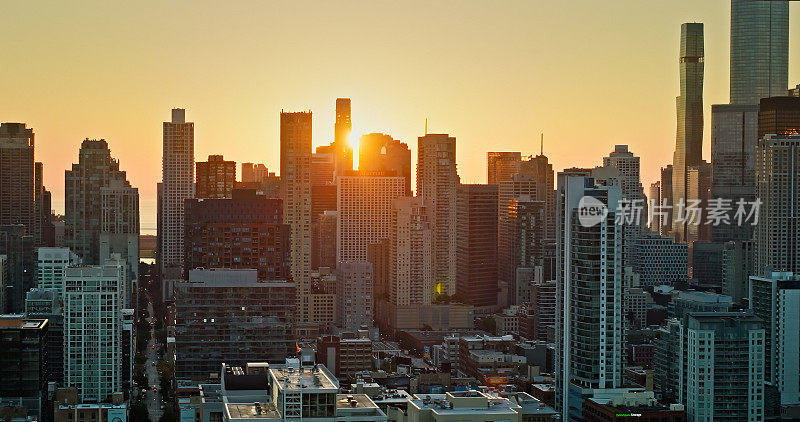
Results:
x,y
51,265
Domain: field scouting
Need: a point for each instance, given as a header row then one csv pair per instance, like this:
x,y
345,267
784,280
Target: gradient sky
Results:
x,y
587,73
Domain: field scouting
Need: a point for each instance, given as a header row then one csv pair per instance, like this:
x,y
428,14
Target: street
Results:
x,y
153,398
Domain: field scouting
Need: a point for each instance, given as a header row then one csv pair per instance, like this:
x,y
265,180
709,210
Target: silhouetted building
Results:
x,y
177,185
501,166
379,152
23,362
476,275
215,178
20,269
246,231
17,178
343,151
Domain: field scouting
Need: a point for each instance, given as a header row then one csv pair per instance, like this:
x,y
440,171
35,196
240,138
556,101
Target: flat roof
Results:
x,y
316,377
252,411
22,322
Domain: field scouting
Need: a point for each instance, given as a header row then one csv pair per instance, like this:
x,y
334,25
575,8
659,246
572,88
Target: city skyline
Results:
x,y
426,80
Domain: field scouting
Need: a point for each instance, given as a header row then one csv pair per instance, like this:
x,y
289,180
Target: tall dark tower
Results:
x,y
341,141
689,137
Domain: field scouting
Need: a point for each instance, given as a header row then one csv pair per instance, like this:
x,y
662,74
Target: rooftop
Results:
x,y
237,411
294,376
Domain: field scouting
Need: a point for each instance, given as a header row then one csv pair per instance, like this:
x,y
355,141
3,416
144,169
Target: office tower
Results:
x,y
378,256
20,269
659,260
779,116
51,266
692,301
242,320
323,240
296,195
365,212
102,208
759,50
245,231
215,178
437,182
775,298
689,138
23,363
345,357
379,152
723,375
628,166
411,263
738,260
654,197
542,308
777,233
733,143
665,215
177,185
46,304
45,230
323,166
17,181
254,172
93,297
539,168
343,151
354,295
522,241
589,294
476,275
501,166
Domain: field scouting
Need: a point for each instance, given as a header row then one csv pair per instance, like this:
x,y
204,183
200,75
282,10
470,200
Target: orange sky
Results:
x,y
589,74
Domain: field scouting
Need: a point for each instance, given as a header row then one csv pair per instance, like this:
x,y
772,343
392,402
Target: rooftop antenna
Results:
x,y
541,144
426,125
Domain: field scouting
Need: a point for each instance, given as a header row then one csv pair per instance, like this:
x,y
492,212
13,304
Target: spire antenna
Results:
x,y
541,144
426,125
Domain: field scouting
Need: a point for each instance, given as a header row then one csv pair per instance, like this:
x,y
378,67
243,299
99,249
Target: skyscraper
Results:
x,y
689,138
775,298
411,272
215,178
177,185
93,298
17,202
354,295
777,234
380,152
589,293
437,182
759,50
51,267
501,166
99,200
476,276
343,151
296,194
365,212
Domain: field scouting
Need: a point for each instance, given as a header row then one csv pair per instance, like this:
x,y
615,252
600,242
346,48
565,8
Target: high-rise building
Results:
x,y
245,231
665,216
215,178
242,320
775,298
777,232
323,166
99,201
733,143
589,295
659,260
20,269
342,127
323,240
738,260
722,367
354,303
759,50
378,256
501,166
365,212
93,297
254,172
523,242
177,185
689,138
23,363
476,276
17,181
45,230
437,182
380,152
52,265
296,195
654,197
47,304
411,271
